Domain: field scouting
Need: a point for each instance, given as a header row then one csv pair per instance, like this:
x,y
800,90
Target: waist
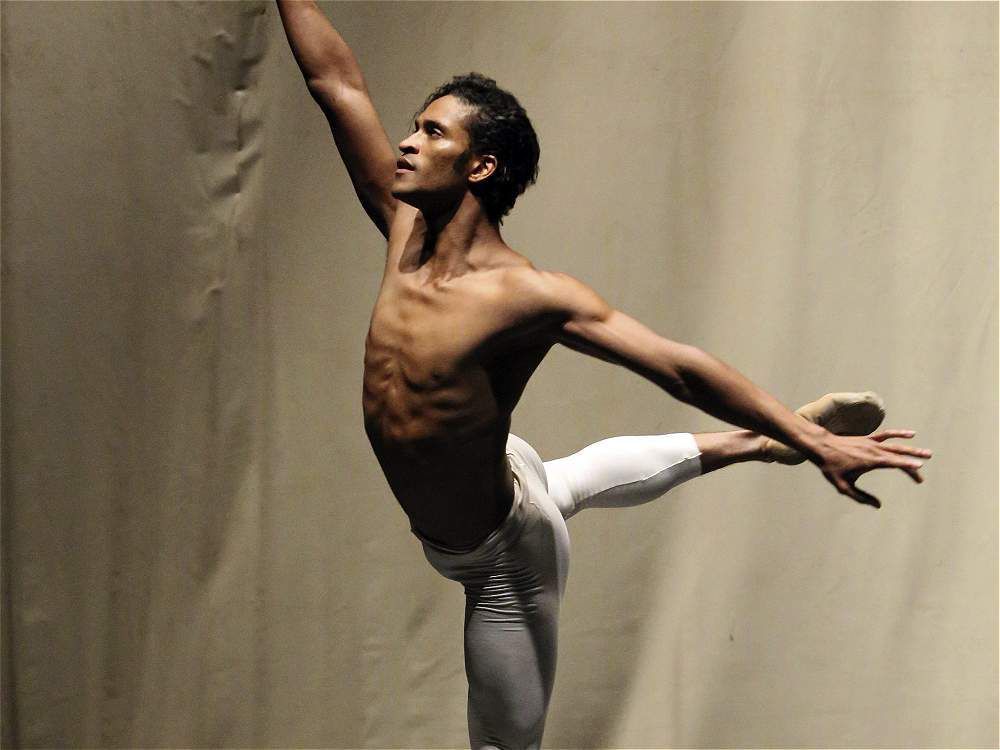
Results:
x,y
503,532
454,494
457,516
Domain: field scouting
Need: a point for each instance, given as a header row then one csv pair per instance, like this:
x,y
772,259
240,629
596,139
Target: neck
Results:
x,y
457,237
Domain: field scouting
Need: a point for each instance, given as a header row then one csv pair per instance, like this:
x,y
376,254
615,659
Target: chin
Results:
x,y
405,196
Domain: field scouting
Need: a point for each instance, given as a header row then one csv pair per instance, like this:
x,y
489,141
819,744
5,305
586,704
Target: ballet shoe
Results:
x,y
840,413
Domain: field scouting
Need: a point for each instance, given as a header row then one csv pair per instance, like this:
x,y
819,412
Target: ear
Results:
x,y
483,167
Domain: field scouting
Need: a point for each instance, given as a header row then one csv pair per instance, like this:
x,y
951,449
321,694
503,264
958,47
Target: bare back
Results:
x,y
445,364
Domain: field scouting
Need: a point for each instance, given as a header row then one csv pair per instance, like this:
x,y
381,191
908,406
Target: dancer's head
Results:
x,y
469,135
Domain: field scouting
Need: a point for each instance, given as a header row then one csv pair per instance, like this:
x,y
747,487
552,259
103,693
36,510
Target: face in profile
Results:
x,y
435,162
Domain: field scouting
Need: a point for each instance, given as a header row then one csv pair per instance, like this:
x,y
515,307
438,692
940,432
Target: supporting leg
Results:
x,y
514,582
511,635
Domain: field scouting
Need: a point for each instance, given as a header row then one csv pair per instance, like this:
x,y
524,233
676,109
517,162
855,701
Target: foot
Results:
x,y
840,413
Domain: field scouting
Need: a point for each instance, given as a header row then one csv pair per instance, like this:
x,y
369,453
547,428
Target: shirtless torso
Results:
x,y
445,364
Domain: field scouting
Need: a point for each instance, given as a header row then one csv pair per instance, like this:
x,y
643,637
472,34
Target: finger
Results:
x,y
907,450
886,434
862,497
910,467
899,462
845,486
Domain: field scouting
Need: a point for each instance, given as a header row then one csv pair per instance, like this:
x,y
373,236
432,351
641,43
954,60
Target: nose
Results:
x,y
407,145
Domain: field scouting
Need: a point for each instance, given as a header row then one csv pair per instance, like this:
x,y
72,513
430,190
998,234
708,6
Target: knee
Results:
x,y
507,719
516,733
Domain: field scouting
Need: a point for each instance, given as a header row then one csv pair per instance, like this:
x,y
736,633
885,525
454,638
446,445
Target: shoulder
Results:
x,y
551,292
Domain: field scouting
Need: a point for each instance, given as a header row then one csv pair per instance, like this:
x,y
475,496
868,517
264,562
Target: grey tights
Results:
x,y
514,581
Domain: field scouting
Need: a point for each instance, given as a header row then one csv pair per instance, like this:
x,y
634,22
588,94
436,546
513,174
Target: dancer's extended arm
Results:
x,y
588,324
335,82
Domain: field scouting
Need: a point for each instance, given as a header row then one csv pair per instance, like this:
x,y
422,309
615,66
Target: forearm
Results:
x,y
321,53
716,388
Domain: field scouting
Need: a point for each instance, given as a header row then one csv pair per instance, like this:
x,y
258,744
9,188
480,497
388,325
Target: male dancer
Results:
x,y
460,324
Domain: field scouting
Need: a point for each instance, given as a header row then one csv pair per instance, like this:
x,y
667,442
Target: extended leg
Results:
x,y
631,470
626,471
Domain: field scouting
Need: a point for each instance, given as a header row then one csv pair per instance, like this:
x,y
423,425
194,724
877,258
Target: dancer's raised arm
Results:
x,y
589,324
335,81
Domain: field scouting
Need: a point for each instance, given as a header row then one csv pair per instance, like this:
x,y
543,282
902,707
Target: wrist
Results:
x,y
810,440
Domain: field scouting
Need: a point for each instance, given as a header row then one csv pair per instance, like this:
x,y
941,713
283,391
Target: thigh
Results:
x,y
510,671
547,538
511,624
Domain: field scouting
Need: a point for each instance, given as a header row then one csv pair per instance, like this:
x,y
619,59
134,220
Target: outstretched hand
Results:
x,y
844,459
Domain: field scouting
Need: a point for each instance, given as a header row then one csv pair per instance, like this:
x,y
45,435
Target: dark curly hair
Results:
x,y
498,126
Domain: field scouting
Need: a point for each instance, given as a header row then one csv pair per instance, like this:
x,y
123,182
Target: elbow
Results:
x,y
683,377
691,358
334,87
324,87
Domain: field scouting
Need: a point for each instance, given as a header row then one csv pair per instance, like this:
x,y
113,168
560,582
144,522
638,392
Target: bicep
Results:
x,y
591,326
363,145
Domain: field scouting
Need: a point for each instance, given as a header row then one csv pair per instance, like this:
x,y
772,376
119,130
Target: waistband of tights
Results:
x,y
509,528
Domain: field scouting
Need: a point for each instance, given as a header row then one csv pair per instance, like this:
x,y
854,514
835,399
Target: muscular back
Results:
x,y
445,363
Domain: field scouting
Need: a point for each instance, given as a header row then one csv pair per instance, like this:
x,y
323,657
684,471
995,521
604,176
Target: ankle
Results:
x,y
759,449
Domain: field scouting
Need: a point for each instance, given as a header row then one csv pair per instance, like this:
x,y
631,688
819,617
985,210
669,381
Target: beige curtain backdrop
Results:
x,y
199,549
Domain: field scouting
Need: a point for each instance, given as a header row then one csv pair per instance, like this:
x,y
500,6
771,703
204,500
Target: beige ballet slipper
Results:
x,y
840,413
